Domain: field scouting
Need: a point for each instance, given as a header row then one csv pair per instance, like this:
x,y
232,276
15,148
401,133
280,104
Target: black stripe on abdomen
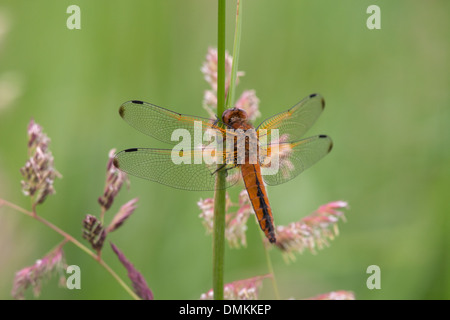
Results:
x,y
262,203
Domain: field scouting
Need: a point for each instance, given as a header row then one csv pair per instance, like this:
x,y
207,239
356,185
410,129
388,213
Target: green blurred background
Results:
x,y
387,94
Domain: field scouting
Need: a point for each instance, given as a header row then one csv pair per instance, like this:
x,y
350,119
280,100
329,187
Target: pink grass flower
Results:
x,y
39,172
311,232
207,213
210,103
114,181
281,153
209,70
249,102
34,275
335,295
137,279
207,208
125,211
247,289
235,222
94,232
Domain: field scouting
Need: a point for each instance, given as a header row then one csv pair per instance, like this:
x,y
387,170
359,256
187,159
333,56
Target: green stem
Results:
x,y
219,196
221,59
68,237
237,41
269,266
219,238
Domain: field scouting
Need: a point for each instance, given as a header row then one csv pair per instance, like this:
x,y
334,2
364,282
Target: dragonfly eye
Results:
x,y
233,115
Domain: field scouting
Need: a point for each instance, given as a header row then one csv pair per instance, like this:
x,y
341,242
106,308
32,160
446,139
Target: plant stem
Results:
x,y
237,41
270,267
219,196
68,237
221,59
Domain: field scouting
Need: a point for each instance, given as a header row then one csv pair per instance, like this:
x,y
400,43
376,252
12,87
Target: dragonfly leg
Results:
x,y
223,167
219,168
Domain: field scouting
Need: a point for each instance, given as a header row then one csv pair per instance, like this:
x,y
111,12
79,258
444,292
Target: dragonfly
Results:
x,y
279,139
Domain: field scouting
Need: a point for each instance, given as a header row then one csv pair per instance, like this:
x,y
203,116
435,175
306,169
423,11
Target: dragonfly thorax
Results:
x,y
235,118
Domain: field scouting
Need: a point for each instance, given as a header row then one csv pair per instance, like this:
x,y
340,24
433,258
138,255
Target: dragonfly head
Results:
x,y
234,115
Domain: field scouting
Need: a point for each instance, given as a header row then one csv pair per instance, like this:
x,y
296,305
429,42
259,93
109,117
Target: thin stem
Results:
x,y
221,59
118,279
236,49
219,196
270,267
68,237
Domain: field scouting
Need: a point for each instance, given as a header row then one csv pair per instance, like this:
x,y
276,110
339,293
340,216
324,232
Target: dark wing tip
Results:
x,y
322,100
116,160
137,102
122,111
324,136
116,163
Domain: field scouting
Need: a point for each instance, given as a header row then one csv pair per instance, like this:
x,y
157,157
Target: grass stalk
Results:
x,y
219,196
236,47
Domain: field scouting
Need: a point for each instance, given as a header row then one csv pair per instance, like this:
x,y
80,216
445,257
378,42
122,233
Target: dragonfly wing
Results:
x,y
158,165
161,123
292,124
293,158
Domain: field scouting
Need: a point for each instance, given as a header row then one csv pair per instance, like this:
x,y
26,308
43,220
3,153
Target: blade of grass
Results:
x,y
219,196
269,265
237,44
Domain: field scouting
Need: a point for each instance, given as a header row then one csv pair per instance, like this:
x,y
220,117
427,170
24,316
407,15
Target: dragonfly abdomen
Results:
x,y
251,174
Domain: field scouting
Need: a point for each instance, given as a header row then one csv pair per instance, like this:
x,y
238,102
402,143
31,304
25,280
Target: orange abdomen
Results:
x,y
251,173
